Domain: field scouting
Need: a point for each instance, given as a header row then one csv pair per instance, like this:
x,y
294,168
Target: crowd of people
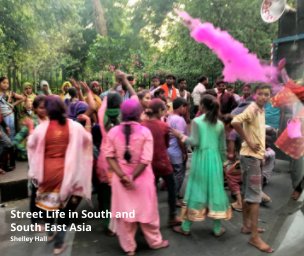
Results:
x,y
125,143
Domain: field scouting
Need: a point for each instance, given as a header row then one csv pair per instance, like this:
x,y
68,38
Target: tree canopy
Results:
x,y
57,39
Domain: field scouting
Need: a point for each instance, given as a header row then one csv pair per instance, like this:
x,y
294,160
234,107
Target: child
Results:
x,y
205,193
251,126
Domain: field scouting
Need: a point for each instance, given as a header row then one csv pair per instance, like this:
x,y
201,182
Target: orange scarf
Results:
x,y
166,89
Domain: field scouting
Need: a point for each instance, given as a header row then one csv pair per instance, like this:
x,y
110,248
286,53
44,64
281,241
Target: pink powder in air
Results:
x,y
239,64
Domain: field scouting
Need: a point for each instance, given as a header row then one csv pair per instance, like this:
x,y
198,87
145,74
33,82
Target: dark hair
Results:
x,y
38,100
154,107
170,76
2,78
211,107
55,109
202,79
155,77
227,119
230,86
158,92
127,132
73,92
130,78
247,85
142,85
114,100
178,102
211,92
220,82
262,87
180,80
142,94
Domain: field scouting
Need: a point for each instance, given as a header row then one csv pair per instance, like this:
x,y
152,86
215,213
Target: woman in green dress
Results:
x,y
205,195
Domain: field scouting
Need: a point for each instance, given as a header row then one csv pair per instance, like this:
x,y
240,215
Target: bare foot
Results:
x,y
295,195
163,244
58,251
260,244
178,229
266,198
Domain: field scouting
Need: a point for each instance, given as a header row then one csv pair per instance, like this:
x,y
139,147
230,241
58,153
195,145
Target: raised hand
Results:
x,y
74,83
119,75
85,86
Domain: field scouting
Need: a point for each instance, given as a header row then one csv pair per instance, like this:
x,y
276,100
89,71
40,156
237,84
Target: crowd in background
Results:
x,y
130,140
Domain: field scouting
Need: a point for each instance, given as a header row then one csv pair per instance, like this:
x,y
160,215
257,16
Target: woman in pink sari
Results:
x,y
129,153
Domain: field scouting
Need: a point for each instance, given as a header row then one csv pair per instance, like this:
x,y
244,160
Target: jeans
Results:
x,y
60,235
179,171
10,122
170,182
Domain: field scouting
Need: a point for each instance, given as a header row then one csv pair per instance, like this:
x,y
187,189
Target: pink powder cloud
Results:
x,y
239,63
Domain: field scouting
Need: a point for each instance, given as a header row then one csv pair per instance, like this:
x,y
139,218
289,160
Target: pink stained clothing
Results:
x,y
144,191
102,170
126,234
77,178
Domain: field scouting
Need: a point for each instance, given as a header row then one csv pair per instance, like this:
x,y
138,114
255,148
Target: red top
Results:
x,y
160,131
56,143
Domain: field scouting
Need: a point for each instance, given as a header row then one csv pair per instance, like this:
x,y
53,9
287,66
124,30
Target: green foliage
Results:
x,y
56,39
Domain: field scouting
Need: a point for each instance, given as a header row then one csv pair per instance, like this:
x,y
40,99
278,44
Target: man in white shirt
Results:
x,y
197,91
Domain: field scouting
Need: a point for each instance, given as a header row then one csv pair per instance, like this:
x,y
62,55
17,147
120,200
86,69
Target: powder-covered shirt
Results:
x,y
253,120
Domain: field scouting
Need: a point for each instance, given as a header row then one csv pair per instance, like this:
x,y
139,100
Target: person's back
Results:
x,y
210,135
139,134
160,134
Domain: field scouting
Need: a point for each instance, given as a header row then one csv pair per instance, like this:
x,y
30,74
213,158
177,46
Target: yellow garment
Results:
x,y
64,95
253,120
97,99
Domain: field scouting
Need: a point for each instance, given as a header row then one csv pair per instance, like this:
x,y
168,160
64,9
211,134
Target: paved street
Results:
x,y
283,219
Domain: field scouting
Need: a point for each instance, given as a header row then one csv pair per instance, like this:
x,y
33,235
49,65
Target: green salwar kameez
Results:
x,y
205,194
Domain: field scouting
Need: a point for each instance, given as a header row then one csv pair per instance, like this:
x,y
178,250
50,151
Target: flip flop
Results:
x,y
236,209
267,250
178,229
260,230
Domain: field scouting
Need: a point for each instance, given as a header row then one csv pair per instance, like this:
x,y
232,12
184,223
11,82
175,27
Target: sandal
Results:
x,y
130,253
267,249
219,234
238,209
163,244
176,221
60,250
178,229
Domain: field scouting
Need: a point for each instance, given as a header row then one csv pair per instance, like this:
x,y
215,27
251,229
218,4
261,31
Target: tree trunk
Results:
x,y
100,21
